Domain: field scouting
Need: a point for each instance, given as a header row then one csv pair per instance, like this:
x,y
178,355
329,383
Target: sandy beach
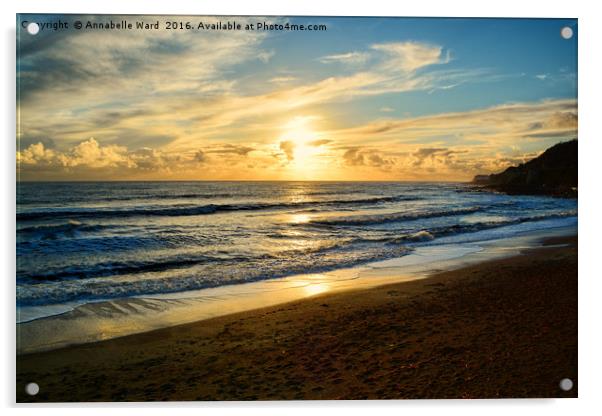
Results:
x,y
502,328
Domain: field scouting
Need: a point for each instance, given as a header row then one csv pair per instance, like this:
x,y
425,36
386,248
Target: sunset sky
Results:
x,y
367,99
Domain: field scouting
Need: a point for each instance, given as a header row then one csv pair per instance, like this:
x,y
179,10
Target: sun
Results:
x,y
299,130
300,134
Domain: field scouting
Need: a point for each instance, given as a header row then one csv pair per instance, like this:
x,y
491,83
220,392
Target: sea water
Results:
x,y
84,242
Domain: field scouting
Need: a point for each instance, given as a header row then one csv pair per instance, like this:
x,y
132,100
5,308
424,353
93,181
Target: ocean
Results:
x,y
91,241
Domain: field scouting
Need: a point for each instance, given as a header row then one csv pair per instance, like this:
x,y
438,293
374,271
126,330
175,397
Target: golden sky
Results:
x,y
400,100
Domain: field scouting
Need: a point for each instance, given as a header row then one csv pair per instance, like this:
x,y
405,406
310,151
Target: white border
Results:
x,y
589,209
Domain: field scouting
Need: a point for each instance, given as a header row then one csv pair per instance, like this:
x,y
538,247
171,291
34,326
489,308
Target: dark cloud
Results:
x,y
535,126
558,120
366,157
353,157
60,61
147,159
320,142
429,152
381,128
200,156
562,120
46,38
551,134
111,118
436,155
233,149
51,73
288,148
29,45
377,160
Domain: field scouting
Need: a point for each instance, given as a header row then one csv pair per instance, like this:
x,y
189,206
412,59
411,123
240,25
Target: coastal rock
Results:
x,y
554,172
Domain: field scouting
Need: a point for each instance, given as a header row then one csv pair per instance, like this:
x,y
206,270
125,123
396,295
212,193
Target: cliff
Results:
x,y
554,172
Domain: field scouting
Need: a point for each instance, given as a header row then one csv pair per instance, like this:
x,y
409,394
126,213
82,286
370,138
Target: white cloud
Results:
x,y
265,56
410,56
347,58
88,153
283,79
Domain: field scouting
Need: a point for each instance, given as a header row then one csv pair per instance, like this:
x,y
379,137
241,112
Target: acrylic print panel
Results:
x,y
285,208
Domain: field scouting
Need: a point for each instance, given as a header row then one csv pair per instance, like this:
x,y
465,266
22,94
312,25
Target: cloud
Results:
x,y
265,56
288,147
495,124
35,154
428,152
358,156
375,159
87,153
353,157
160,96
90,153
161,104
140,61
410,56
457,145
320,142
26,141
557,121
283,79
562,76
346,58
147,159
562,120
90,157
232,149
443,88
200,156
434,156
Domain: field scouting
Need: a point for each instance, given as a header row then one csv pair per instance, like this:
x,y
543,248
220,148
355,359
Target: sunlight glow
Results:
x,y
300,133
313,289
300,218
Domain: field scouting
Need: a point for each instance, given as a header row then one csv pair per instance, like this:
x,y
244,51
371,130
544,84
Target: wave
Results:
x,y
78,199
225,260
444,231
420,236
377,219
54,231
198,210
112,269
486,225
28,200
44,291
96,281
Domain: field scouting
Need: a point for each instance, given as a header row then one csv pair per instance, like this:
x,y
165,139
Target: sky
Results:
x,y
366,99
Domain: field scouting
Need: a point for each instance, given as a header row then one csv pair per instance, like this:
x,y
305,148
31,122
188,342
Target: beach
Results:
x,y
337,208
503,328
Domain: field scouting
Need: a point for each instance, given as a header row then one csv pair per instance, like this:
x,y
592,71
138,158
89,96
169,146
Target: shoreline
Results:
x,y
499,328
101,320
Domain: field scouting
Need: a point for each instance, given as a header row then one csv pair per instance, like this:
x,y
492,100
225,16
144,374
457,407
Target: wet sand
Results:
x,y
502,328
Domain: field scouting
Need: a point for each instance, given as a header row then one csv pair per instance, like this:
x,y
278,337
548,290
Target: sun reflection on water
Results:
x,y
300,218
